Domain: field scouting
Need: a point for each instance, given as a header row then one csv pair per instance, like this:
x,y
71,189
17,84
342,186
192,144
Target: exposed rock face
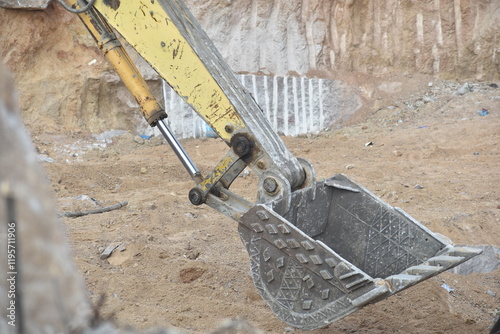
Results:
x,y
25,4
443,37
292,105
65,83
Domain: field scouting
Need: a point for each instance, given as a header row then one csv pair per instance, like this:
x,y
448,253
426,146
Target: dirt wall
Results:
x,y
66,85
450,39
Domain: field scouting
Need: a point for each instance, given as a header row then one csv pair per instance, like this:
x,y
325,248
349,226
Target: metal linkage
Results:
x,y
179,151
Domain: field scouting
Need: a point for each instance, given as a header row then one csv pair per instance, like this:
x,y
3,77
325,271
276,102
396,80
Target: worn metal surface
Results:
x,y
172,56
318,253
113,50
306,284
179,150
337,250
24,4
179,50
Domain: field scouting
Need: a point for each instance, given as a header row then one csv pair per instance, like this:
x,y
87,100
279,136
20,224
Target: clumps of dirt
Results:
x,y
431,153
191,274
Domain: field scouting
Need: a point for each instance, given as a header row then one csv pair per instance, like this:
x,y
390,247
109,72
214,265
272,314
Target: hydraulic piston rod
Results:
x,y
179,150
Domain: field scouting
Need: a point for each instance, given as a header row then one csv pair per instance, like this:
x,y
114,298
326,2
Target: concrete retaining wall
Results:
x,y
292,105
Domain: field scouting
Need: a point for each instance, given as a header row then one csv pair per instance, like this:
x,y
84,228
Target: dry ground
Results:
x,y
185,266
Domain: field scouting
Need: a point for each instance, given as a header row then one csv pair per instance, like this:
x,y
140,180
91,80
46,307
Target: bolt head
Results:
x,y
241,145
195,196
270,185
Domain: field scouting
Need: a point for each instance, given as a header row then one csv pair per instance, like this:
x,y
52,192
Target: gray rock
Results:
x,y
139,140
44,158
24,4
487,262
464,89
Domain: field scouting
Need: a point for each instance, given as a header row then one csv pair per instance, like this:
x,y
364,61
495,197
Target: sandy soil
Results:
x,y
185,266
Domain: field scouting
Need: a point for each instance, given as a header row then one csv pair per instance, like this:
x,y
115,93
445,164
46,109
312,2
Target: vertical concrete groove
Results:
x,y
285,108
303,105
292,105
266,99
275,103
295,105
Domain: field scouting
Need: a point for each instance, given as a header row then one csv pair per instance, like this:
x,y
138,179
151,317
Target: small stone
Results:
x,y
464,89
155,141
43,158
418,186
190,215
364,127
107,252
476,153
491,293
288,329
193,254
144,170
397,153
349,166
370,143
430,84
139,140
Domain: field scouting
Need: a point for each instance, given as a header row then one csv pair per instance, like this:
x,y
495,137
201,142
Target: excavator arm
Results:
x,y
166,35
318,250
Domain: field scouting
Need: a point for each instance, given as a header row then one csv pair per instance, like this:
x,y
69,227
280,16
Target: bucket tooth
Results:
x,y
402,281
445,261
304,293
380,291
464,251
422,270
355,284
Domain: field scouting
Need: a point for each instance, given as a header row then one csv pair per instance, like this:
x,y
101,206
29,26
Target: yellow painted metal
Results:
x,y
149,29
123,65
222,167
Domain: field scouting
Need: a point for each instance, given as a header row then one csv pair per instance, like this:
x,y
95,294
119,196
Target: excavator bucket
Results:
x,y
319,252
338,249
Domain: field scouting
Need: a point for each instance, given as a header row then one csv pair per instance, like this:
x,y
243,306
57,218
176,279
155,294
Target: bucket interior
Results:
x,y
375,237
